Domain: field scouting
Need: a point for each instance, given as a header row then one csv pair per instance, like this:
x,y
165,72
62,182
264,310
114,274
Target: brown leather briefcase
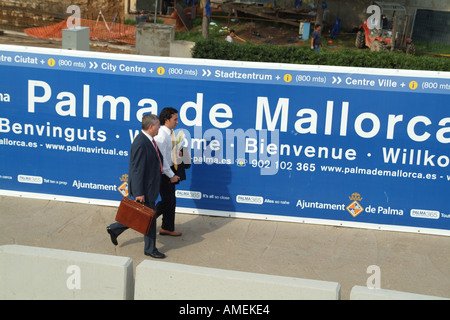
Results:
x,y
135,215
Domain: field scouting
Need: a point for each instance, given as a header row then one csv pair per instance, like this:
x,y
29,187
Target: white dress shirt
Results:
x,y
148,136
164,141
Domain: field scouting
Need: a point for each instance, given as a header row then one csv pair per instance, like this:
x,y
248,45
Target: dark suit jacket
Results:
x,y
144,176
181,170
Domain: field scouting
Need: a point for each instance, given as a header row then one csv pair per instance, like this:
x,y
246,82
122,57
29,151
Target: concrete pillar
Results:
x,y
154,39
76,38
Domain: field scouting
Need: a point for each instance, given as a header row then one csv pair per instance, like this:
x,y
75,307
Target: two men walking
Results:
x,y
152,172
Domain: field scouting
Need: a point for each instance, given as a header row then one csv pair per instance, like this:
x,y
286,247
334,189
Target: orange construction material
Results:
x,y
175,19
97,31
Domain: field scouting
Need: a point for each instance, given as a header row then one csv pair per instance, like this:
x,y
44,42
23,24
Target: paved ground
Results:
x,y
408,262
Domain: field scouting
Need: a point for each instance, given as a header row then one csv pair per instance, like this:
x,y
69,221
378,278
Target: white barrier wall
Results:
x,y
41,273
163,280
364,293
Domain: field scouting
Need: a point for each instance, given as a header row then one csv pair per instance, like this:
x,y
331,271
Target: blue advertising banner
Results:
x,y
331,145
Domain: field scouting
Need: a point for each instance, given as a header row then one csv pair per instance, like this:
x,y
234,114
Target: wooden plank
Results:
x,y
187,22
257,12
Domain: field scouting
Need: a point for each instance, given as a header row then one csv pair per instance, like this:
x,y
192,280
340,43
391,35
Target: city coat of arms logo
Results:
x,y
123,188
355,208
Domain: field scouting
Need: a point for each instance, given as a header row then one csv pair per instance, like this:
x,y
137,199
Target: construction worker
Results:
x,y
315,38
231,36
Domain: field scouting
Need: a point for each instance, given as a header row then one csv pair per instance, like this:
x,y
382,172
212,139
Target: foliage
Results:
x,y
195,34
431,48
213,49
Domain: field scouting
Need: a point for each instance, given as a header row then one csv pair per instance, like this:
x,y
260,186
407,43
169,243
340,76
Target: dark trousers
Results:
x,y
166,207
149,238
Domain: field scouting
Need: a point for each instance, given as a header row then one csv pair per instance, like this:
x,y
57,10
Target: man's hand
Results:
x,y
175,179
140,199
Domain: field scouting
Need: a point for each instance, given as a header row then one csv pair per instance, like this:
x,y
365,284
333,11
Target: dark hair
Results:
x,y
316,26
166,114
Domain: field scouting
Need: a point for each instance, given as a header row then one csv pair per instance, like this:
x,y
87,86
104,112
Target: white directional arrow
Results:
x,y
206,72
336,80
93,65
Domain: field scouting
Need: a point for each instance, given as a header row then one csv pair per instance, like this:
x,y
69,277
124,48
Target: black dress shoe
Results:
x,y
112,235
156,254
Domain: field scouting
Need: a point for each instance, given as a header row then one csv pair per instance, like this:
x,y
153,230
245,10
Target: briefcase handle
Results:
x,y
143,204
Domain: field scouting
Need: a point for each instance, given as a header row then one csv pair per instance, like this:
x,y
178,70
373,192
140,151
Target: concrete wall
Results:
x,y
29,273
75,38
364,293
158,40
181,48
154,39
40,273
162,280
351,12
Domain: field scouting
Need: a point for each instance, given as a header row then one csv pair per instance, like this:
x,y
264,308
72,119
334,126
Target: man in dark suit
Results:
x,y
144,178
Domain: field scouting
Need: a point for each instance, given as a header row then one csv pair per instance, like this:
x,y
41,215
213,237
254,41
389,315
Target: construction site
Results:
x,y
112,23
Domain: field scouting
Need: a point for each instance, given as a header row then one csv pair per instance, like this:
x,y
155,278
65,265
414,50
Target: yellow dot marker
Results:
x,y
160,71
287,77
51,62
413,85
